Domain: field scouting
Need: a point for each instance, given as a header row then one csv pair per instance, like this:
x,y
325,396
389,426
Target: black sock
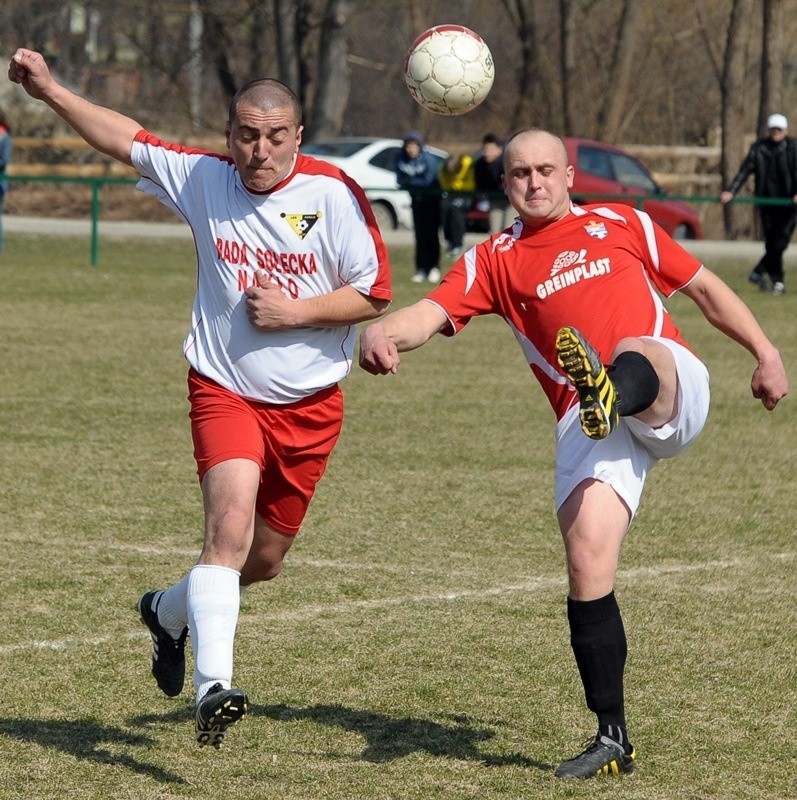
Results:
x,y
597,637
617,733
635,381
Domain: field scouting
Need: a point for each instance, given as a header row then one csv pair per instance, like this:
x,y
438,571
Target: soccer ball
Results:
x,y
449,69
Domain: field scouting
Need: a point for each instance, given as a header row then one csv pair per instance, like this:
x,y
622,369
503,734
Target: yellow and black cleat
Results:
x,y
596,392
603,756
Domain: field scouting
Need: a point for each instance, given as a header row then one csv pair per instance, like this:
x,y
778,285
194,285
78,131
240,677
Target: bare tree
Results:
x,y
771,61
332,84
261,40
217,45
710,43
733,100
621,71
287,40
567,62
627,71
535,78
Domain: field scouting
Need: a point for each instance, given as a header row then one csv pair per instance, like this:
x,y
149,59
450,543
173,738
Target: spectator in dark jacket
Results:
x,y
773,162
488,168
417,171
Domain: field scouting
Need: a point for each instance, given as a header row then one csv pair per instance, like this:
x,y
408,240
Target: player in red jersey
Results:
x,y
580,288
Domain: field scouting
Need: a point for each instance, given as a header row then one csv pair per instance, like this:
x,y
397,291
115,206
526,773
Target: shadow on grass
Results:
x,y
388,738
83,739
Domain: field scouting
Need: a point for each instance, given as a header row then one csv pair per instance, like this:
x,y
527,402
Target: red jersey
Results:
x,y
600,269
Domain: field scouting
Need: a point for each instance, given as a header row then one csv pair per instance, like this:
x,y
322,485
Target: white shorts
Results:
x,y
624,458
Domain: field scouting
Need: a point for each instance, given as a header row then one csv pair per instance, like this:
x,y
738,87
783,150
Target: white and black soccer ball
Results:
x,y
449,69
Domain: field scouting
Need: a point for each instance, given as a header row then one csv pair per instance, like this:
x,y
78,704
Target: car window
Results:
x,y
632,173
385,158
338,149
595,162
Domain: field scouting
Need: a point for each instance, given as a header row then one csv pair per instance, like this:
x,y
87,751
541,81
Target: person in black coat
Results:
x,y
773,162
488,169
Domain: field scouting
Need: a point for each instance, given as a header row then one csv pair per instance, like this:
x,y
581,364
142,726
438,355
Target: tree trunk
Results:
x,y
733,104
332,86
216,44
287,44
567,64
534,79
624,62
771,62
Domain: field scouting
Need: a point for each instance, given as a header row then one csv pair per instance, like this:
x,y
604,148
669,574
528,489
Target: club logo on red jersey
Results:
x,y
302,223
567,258
596,229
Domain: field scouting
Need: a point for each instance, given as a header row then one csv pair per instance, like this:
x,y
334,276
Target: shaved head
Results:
x,y
522,137
266,94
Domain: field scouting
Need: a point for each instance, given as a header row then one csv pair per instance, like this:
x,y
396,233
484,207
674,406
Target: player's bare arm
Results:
x,y
403,330
269,309
727,312
104,129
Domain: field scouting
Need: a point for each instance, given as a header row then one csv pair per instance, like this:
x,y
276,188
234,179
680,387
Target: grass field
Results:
x,y
416,646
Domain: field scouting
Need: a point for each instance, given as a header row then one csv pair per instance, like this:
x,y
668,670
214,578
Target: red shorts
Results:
x,y
291,443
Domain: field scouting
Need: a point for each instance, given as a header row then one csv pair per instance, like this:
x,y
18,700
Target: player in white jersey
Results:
x,y
289,259
565,278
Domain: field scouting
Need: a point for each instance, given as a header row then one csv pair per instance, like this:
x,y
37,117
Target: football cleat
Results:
x,y
596,392
603,756
168,654
216,711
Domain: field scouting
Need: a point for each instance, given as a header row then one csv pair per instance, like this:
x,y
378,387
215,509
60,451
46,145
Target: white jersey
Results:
x,y
312,233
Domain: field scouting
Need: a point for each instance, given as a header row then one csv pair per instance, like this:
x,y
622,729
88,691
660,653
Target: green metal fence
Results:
x,y
97,183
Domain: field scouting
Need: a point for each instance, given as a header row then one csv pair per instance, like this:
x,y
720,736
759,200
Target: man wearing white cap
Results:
x,y
773,161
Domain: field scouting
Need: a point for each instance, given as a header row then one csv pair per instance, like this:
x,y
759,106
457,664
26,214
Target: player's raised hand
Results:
x,y
29,69
378,353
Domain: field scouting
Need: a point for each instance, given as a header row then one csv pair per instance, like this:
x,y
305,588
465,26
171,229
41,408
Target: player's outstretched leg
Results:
x,y
168,654
603,756
216,711
596,392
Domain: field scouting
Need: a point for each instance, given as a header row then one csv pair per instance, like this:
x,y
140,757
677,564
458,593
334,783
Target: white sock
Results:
x,y
172,612
213,600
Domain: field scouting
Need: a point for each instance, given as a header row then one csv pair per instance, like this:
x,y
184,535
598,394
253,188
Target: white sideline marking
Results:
x,y
638,573
302,561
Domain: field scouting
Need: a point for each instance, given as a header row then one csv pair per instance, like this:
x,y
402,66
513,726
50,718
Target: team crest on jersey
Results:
x,y
503,242
596,229
302,223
